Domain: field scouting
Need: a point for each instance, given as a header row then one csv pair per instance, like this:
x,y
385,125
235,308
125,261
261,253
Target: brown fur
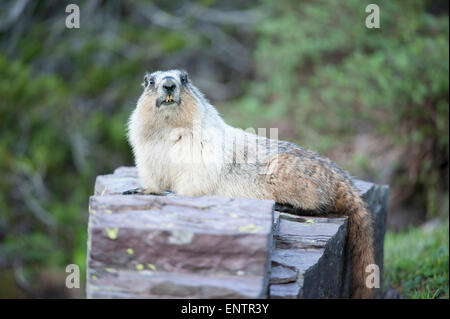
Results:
x,y
359,237
285,172
304,180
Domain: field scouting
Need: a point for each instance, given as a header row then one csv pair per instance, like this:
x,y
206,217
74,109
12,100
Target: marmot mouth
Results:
x,y
168,100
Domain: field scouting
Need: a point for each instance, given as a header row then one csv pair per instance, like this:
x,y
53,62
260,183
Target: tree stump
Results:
x,y
145,246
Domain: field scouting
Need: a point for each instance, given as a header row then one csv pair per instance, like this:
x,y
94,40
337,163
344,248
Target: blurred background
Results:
x,y
374,100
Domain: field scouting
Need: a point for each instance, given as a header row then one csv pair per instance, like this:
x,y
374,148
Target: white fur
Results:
x,y
194,160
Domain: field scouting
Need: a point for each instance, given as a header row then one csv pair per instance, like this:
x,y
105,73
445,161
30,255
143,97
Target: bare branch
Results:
x,y
14,14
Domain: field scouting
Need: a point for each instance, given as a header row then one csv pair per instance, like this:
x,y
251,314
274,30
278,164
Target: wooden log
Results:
x,y
143,246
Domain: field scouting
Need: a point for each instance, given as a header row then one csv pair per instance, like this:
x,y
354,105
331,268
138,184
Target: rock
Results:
x,y
144,246
316,248
282,275
114,184
159,284
286,291
325,278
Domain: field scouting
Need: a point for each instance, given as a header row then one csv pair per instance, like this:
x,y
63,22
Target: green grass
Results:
x,y
416,262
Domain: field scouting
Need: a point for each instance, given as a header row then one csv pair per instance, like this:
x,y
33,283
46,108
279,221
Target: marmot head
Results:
x,y
166,89
169,97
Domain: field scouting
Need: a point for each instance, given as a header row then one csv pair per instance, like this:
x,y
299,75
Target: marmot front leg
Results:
x,y
141,191
133,191
147,188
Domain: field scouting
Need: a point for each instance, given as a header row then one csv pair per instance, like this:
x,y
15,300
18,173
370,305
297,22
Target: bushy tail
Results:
x,y
360,240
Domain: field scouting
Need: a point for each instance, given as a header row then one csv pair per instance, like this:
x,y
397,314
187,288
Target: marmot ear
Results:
x,y
145,83
184,76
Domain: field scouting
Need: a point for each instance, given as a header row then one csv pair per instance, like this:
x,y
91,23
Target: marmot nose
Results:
x,y
169,86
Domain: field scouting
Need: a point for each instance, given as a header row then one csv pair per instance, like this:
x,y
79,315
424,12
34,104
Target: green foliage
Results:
x,y
327,75
65,97
416,262
317,73
38,171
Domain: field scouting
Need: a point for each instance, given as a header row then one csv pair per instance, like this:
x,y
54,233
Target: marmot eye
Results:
x,y
148,81
184,79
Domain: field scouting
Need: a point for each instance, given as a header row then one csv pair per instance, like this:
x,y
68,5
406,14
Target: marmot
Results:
x,y
180,143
